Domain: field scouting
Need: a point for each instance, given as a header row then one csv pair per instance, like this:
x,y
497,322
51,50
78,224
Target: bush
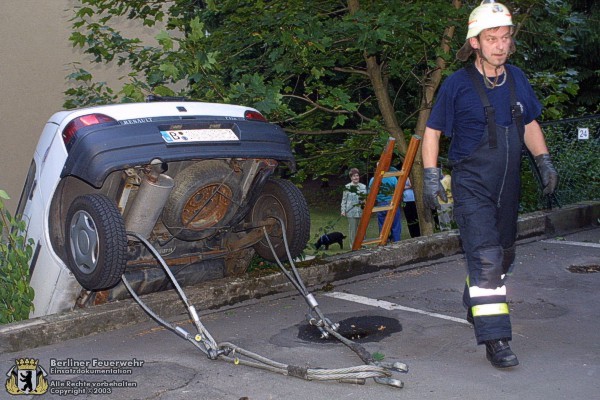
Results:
x,y
575,160
16,296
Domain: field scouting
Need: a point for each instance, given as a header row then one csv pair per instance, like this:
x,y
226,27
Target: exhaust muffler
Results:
x,y
148,203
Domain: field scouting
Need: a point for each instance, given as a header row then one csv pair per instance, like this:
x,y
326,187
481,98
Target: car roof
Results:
x,y
127,111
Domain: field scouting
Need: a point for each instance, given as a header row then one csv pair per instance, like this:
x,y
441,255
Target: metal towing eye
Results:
x,y
381,372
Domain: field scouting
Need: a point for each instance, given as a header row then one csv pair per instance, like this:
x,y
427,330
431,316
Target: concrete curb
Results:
x,y
51,329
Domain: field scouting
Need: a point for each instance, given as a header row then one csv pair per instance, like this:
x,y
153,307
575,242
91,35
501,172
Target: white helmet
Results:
x,y
488,15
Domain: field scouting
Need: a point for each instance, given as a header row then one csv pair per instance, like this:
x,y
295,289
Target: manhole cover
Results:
x,y
370,328
584,269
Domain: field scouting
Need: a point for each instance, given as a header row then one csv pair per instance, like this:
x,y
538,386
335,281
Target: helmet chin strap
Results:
x,y
490,84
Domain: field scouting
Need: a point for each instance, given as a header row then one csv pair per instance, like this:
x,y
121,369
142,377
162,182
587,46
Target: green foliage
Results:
x,y
16,296
259,264
559,41
556,91
86,92
575,160
587,50
303,62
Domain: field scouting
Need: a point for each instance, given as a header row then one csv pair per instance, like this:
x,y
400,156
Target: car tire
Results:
x,y
96,242
205,198
283,200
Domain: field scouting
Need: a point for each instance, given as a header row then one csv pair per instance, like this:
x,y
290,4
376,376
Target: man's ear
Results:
x,y
474,41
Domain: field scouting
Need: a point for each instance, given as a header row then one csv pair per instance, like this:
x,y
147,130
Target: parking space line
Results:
x,y
386,305
570,243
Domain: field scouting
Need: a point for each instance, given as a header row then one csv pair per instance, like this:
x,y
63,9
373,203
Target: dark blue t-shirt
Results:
x,y
459,114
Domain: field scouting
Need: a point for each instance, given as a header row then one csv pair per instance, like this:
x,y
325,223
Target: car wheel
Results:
x,y
205,197
96,242
283,200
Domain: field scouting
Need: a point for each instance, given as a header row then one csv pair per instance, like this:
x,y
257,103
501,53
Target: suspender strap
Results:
x,y
490,113
515,109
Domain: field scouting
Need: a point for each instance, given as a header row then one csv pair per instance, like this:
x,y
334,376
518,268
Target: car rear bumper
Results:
x,y
101,149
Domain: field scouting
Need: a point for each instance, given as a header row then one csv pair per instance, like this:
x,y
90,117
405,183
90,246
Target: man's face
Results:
x,y
355,178
494,44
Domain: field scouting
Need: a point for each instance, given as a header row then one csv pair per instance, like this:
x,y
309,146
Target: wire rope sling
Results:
x,y
380,371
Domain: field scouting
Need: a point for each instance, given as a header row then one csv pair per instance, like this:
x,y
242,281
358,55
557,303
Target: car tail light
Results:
x,y
254,116
72,127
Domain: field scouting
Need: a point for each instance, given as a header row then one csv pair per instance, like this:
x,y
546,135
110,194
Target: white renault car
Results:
x,y
201,182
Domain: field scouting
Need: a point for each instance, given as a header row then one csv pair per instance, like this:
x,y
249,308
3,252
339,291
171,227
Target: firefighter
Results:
x,y
488,110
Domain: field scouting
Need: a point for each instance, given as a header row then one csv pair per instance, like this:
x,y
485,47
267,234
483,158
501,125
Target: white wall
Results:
x,y
35,58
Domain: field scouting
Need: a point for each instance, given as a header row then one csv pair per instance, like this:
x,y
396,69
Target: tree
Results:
x,y
587,49
340,77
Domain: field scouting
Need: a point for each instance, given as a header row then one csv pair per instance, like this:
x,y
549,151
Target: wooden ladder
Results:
x,y
381,172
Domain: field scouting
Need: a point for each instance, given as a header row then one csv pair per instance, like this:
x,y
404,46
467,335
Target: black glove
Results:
x,y
547,172
432,188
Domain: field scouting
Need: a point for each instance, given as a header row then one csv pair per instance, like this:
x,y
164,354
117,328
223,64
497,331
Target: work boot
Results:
x,y
498,352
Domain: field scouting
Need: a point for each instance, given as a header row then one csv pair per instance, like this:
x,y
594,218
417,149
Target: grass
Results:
x,y
324,207
325,220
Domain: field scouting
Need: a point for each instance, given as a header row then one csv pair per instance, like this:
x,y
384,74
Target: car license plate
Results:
x,y
198,135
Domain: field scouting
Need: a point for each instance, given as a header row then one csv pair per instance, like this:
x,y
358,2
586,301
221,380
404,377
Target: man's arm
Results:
x,y
534,139
431,147
432,188
536,144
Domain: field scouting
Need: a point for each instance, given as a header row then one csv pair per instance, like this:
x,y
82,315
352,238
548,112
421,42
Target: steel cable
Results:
x,y
229,352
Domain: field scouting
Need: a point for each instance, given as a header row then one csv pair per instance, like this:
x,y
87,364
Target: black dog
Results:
x,y
330,238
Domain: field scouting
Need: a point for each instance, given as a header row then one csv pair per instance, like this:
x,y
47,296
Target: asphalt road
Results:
x,y
413,316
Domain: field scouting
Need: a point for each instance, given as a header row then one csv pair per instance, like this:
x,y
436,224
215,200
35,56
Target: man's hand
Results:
x,y
547,172
432,188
